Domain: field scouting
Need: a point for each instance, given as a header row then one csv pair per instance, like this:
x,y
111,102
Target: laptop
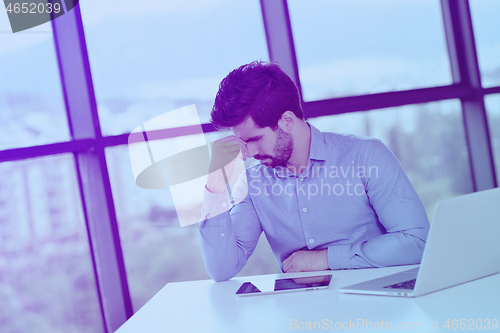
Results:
x,y
463,244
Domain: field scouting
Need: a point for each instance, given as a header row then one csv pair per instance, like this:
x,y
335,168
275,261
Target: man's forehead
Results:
x,y
247,130
248,135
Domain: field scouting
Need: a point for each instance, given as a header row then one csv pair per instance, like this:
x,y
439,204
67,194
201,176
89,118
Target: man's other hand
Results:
x,y
306,261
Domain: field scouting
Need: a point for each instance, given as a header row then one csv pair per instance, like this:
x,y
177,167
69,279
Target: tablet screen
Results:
x,y
280,285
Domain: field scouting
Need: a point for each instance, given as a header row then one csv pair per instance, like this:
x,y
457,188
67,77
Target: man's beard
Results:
x,y
282,150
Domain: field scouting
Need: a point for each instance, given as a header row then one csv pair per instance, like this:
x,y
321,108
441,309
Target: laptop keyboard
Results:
x,y
410,284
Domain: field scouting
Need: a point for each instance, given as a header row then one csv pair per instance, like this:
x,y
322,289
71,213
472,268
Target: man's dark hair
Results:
x,y
260,90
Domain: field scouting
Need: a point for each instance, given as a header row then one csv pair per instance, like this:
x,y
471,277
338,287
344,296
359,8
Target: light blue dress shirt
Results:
x,y
353,199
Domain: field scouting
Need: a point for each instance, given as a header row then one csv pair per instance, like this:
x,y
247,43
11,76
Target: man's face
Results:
x,y
271,148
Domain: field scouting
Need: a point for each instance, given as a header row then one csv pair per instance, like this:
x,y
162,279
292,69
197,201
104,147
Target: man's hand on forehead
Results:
x,y
225,152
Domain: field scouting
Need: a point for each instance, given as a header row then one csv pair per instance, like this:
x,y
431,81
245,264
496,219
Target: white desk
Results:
x,y
208,306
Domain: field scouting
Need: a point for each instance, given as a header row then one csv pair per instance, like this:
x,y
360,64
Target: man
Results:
x,y
323,200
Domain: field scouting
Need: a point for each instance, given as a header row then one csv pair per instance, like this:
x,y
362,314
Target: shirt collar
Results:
x,y
317,151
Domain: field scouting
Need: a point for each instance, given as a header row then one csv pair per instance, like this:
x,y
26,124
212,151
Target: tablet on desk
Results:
x,y
273,286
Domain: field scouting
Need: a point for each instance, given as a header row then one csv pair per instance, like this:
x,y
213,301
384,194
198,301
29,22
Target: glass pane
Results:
x,y
428,139
157,250
353,47
485,14
162,55
32,108
46,274
493,112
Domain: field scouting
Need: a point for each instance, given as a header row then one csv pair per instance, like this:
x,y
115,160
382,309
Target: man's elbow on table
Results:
x,y
219,274
414,246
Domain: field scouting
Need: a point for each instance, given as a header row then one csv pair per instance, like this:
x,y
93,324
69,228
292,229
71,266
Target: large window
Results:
x,y
353,47
46,274
361,66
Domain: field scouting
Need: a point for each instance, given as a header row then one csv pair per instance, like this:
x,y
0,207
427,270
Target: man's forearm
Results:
x,y
221,254
396,248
